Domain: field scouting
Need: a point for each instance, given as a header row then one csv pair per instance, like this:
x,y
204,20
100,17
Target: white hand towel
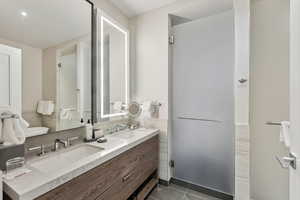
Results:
x,y
285,133
146,109
19,131
13,132
9,135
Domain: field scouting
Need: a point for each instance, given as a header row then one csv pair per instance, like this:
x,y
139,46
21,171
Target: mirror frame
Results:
x,y
105,18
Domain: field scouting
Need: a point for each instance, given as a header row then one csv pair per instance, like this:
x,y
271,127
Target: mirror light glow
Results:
x,y
104,19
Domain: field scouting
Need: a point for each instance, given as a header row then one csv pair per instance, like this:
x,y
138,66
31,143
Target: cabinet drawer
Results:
x,y
88,185
123,188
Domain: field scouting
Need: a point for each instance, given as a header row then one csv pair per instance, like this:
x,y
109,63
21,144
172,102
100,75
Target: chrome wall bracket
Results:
x,y
286,162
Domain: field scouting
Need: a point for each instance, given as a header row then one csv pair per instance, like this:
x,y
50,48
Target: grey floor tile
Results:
x,y
192,197
200,195
166,193
177,187
176,192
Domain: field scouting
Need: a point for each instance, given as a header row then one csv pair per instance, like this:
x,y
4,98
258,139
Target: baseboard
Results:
x,y
163,182
201,189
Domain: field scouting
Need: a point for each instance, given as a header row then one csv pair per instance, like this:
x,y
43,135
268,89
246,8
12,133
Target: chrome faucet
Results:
x,y
59,141
116,128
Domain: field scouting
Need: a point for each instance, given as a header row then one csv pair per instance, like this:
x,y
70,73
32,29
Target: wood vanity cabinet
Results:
x,y
116,179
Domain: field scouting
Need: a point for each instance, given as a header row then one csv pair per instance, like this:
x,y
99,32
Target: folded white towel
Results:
x,y
45,107
285,133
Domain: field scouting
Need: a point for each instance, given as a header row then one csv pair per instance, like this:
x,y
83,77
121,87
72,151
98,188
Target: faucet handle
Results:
x,y
71,139
41,148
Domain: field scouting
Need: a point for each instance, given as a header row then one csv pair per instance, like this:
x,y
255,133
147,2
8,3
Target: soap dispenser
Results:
x,y
88,131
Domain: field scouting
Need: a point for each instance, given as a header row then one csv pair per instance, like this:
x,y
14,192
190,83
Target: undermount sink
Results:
x,y
124,135
63,159
128,134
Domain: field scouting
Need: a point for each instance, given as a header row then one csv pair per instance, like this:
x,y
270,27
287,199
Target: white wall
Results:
x,y
269,96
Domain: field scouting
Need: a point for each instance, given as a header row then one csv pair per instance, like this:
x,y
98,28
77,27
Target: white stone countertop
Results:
x,y
37,183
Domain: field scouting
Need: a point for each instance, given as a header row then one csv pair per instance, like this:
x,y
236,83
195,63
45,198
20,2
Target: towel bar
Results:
x,y
200,119
273,123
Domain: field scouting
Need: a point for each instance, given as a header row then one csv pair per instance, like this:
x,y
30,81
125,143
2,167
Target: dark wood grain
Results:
x,y
147,189
116,179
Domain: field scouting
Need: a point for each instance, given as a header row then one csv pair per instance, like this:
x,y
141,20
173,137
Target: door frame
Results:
x,y
15,79
295,95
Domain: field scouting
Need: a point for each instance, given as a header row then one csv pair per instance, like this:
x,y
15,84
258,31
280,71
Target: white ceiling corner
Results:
x,y
136,7
191,9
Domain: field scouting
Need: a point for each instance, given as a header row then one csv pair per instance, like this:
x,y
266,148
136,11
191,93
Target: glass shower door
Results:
x,y
203,102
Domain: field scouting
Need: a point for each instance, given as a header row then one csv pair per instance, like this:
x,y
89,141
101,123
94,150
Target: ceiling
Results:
x,y
136,7
47,23
190,9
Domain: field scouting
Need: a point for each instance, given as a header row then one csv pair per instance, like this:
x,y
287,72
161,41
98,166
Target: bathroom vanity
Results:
x,y
125,165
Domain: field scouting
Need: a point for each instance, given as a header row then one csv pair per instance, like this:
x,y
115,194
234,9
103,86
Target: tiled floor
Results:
x,y
175,192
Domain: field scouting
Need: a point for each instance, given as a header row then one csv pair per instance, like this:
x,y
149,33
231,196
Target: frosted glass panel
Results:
x,y
203,102
5,80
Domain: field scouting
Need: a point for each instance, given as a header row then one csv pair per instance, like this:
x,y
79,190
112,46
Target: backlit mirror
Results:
x,y
114,68
54,41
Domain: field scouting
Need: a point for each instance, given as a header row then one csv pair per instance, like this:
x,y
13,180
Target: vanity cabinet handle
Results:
x,y
41,148
126,177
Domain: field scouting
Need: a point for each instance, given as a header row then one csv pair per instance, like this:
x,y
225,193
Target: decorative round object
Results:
x,y
134,109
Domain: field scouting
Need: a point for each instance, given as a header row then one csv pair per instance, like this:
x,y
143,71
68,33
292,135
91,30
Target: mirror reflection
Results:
x,y
114,69
55,72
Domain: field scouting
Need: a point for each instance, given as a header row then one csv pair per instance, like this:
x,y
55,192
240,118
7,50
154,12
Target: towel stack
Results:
x,y
12,130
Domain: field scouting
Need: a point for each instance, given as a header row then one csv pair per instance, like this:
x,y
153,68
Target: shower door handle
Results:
x,y
200,119
243,80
